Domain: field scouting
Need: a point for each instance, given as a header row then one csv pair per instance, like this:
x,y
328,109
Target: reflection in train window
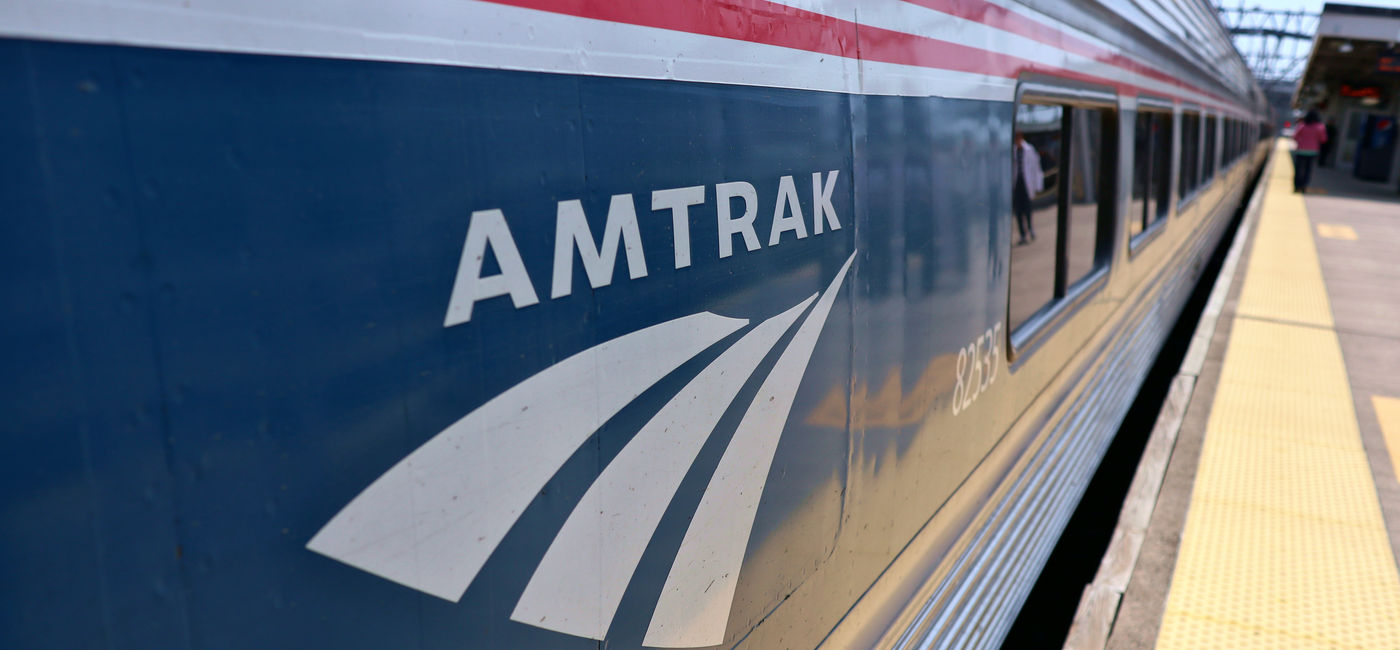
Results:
x,y
1208,153
1065,164
1227,142
1236,140
1152,173
1190,149
1237,130
1088,199
1035,207
1232,141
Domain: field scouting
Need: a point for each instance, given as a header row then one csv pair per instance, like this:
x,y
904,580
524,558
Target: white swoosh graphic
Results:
x,y
694,607
577,587
433,519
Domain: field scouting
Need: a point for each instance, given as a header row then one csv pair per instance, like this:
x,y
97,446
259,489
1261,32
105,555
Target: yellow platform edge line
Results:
x,y
1284,544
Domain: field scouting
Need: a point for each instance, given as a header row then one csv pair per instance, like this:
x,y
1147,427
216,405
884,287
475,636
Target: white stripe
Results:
x,y
880,78
433,519
1238,75
694,606
467,33
578,585
928,23
462,33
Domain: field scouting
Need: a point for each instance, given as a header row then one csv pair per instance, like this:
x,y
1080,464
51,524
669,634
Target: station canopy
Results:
x,y
1355,58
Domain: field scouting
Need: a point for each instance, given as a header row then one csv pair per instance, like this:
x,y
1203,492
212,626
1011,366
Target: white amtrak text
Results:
x,y
736,209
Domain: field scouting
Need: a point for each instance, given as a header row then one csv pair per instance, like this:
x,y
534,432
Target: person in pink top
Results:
x,y
1309,138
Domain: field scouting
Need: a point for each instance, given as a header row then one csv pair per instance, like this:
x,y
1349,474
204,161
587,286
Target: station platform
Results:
x,y
1266,510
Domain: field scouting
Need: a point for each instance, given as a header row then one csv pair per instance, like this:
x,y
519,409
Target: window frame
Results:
x,y
1186,194
1070,297
1138,242
1210,148
1234,142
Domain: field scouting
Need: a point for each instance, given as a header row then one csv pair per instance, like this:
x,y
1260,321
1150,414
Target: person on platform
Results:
x,y
1309,137
1326,159
1030,179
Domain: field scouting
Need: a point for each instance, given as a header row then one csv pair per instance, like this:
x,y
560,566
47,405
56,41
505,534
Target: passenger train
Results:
x,y
570,324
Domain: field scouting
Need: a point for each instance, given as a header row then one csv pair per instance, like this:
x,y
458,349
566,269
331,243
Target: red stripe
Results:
x,y
1004,19
756,21
772,23
888,46
877,44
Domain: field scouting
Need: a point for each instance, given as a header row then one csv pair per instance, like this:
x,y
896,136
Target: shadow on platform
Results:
x,y
1334,181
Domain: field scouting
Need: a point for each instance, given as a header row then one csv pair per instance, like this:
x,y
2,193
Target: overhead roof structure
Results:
x,y
1354,55
1274,43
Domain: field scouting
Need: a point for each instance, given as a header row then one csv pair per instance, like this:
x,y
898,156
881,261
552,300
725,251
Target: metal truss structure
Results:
x,y
1275,43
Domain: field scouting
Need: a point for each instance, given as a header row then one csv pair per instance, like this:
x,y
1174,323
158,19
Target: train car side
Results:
x,y
531,324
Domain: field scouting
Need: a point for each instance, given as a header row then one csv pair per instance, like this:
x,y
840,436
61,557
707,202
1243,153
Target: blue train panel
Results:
x,y
311,352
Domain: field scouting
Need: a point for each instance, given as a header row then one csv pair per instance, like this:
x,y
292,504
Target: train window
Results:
x,y
1236,140
1161,168
1064,173
1088,201
1231,142
1037,145
1142,173
1227,142
1190,150
1208,151
1152,174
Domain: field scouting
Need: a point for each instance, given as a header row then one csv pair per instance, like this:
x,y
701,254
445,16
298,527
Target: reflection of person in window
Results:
x,y
1029,181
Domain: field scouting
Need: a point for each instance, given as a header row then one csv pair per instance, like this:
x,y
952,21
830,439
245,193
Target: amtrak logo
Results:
x,y
432,521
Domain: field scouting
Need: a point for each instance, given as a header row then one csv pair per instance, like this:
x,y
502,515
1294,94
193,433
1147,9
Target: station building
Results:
x,y
1353,80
